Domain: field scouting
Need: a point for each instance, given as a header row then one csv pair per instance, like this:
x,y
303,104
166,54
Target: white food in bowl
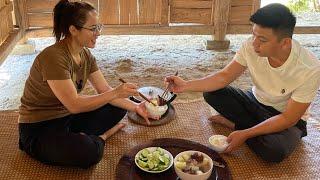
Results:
x,y
218,142
156,111
184,161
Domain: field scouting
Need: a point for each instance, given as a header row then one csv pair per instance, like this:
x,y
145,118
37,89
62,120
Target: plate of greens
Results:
x,y
154,159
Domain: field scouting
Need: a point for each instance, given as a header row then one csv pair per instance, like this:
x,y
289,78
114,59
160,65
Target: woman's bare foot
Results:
x,y
219,119
112,131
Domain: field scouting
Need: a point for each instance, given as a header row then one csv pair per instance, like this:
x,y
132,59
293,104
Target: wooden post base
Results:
x,y
217,45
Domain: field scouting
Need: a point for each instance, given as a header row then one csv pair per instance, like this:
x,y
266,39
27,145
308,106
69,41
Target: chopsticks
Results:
x,y
140,94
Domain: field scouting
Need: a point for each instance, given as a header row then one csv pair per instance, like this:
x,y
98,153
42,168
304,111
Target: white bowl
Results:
x,y
186,176
156,111
218,143
166,153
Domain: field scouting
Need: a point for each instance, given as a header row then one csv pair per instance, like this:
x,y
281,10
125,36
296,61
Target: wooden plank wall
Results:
x,y
191,11
131,12
6,23
112,12
240,12
144,12
40,12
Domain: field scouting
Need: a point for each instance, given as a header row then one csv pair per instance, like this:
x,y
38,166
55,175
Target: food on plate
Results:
x,y
194,163
156,111
154,159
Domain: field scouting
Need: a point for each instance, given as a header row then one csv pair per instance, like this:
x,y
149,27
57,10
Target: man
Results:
x,y
286,77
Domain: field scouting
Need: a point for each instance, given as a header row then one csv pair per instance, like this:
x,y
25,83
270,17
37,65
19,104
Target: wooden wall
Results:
x,y
9,35
147,12
6,24
191,11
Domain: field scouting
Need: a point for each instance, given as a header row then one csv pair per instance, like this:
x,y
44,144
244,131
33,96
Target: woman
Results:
x,y
57,125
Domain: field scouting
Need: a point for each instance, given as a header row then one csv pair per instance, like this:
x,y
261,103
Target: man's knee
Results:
x,y
270,153
214,95
274,155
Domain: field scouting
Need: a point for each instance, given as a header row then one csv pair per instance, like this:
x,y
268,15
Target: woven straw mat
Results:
x,y
191,123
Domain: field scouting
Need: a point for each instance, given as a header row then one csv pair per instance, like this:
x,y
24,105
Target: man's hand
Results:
x,y
235,140
177,84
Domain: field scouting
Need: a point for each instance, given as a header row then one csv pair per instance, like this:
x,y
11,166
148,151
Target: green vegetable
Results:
x,y
156,160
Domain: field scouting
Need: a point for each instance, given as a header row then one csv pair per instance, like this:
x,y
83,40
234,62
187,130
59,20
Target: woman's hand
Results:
x,y
142,111
175,83
125,90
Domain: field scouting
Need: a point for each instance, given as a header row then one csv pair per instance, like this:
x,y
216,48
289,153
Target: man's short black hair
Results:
x,y
277,17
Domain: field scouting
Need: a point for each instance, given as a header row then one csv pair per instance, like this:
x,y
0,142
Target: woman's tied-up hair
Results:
x,y
67,13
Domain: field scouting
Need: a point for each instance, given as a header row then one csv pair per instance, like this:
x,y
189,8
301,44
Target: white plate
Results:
x,y
151,149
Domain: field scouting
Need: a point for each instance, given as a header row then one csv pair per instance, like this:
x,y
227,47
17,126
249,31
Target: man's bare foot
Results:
x,y
112,131
219,119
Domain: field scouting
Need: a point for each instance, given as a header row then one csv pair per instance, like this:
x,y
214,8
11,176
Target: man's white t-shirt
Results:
x,y
298,78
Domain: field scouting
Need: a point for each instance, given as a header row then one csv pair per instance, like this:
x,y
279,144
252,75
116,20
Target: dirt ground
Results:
x,y
145,60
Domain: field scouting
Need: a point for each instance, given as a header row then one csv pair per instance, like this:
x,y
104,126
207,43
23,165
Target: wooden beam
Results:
x,y
247,29
307,30
171,30
9,43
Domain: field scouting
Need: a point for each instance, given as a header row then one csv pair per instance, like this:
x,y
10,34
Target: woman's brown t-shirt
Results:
x,y
38,102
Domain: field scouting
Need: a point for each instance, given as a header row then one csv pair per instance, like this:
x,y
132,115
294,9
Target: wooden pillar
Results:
x,y
20,11
12,35
220,22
